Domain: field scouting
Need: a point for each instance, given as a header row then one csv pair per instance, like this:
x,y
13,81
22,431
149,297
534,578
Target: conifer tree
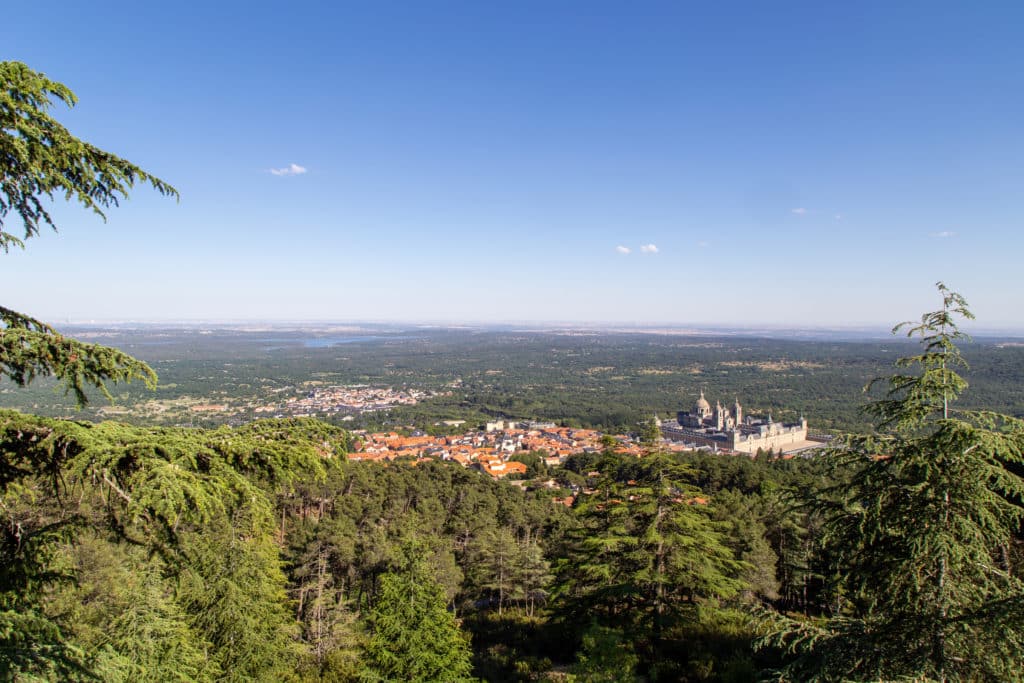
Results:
x,y
121,612
494,554
413,635
917,535
41,159
646,554
233,589
533,575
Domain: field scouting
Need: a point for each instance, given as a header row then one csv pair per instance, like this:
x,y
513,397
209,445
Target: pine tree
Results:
x,y
121,612
917,534
233,590
532,575
646,554
494,556
413,635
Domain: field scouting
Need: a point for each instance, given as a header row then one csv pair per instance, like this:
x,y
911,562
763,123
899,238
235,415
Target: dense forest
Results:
x,y
260,553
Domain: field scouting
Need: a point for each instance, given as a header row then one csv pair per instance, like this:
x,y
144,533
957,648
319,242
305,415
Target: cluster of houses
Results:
x,y
491,450
354,398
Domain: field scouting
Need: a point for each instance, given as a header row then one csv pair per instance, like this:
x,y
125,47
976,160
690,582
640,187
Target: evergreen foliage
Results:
x,y
120,612
918,537
605,657
646,555
233,589
330,631
413,635
202,512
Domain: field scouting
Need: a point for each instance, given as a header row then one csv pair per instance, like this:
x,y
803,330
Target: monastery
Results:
x,y
729,430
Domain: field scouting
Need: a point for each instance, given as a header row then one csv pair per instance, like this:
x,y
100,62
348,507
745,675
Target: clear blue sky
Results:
x,y
792,163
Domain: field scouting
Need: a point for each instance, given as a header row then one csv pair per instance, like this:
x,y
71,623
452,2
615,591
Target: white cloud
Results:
x,y
623,250
839,216
703,244
943,234
290,169
799,211
649,248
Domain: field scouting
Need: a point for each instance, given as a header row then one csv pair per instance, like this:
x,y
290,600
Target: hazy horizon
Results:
x,y
695,329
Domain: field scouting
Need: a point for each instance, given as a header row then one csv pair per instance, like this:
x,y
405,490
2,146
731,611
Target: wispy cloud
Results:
x,y
839,216
942,234
623,250
799,211
703,244
290,169
649,248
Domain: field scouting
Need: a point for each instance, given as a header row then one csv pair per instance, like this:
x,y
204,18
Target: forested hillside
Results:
x,y
259,552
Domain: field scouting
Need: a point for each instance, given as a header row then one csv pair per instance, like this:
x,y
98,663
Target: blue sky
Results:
x,y
762,163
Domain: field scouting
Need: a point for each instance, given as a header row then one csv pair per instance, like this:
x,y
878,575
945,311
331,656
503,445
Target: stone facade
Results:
x,y
730,430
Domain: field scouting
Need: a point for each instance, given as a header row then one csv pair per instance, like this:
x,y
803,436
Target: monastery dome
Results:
x,y
702,405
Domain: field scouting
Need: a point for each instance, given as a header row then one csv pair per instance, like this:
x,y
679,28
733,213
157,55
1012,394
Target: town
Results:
x,y
493,448
352,398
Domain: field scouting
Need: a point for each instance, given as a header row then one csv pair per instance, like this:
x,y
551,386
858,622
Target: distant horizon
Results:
x,y
696,329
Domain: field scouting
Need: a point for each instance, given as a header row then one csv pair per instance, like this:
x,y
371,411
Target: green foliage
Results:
x,y
650,433
31,640
413,635
200,503
122,614
508,571
605,657
33,648
646,557
330,633
918,536
916,399
31,349
233,589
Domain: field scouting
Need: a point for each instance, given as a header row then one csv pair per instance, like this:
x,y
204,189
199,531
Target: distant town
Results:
x,y
347,399
492,448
